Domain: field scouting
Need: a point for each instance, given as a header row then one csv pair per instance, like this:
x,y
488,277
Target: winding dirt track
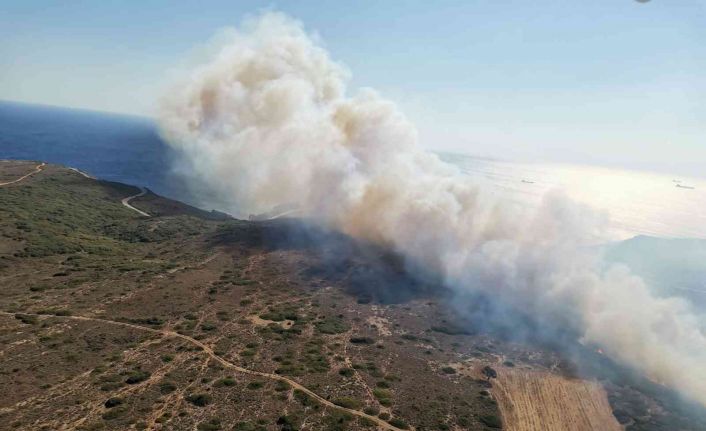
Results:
x,y
38,168
126,201
379,422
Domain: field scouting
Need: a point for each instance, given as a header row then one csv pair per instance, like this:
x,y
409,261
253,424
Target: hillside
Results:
x,y
187,319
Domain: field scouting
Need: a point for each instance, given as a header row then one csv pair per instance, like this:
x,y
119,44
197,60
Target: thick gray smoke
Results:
x,y
266,122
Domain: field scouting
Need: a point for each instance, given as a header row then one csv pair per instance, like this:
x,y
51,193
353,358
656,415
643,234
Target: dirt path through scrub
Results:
x,y
206,349
38,168
126,201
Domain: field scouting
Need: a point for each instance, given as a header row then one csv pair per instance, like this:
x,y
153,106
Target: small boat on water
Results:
x,y
685,187
528,182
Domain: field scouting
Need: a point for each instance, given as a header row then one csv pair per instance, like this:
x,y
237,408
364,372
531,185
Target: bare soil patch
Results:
x,y
540,401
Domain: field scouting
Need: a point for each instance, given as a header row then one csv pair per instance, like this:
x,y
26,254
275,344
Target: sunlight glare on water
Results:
x,y
637,203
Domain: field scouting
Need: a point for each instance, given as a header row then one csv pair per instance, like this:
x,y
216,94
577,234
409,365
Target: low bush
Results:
x,y
208,326
399,423
113,402
451,330
200,400
491,421
362,340
27,319
245,426
304,398
371,410
55,311
114,413
282,386
347,402
383,396
331,325
210,425
167,387
255,385
346,372
137,376
226,381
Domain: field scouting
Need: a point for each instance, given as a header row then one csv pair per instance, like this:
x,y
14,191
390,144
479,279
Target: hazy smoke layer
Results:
x,y
267,122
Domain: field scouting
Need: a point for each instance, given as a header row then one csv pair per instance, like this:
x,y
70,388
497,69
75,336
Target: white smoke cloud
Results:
x,y
266,121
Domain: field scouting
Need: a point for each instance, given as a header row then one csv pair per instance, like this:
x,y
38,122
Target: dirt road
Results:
x,y
38,168
126,201
206,349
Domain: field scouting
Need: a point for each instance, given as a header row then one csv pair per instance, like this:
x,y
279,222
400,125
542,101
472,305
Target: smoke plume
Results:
x,y
266,121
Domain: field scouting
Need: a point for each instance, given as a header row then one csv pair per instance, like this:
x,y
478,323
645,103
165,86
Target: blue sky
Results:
x,y
611,82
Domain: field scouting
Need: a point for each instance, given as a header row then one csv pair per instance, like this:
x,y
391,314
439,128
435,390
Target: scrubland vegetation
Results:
x,y
69,250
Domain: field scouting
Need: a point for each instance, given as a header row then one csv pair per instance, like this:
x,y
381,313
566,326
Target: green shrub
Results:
x,y
331,325
211,425
151,321
137,376
362,340
282,386
346,372
226,381
304,398
347,402
255,385
114,413
287,423
371,410
27,319
399,423
448,370
451,330
280,314
245,426
55,311
491,421
200,400
337,421
383,396
208,326
113,402
167,387
382,393
366,423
